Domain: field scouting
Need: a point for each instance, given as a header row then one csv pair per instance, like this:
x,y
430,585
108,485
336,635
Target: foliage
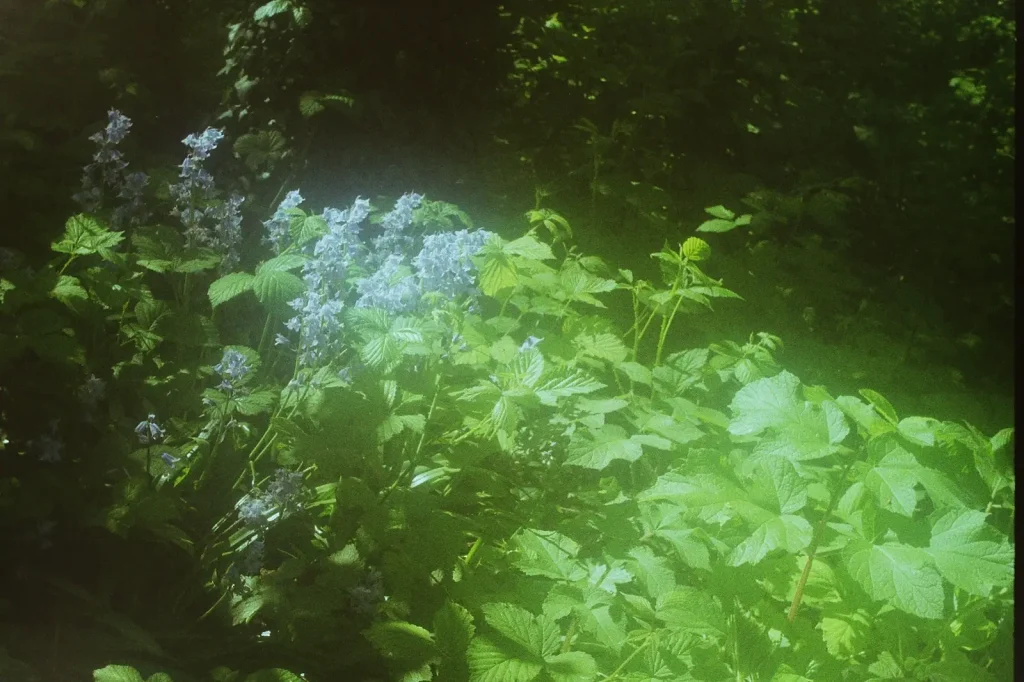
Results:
x,y
440,444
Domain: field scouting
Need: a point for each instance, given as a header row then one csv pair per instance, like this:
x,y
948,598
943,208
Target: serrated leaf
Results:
x,y
654,572
257,402
900,574
270,9
84,236
528,247
282,263
919,430
690,610
844,634
453,629
117,673
537,635
273,675
547,553
965,558
635,372
497,273
243,611
574,383
572,666
489,663
786,532
764,403
892,481
68,289
407,643
606,445
602,346
277,287
229,286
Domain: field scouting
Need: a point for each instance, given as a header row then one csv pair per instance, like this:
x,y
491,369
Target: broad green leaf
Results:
x,y
635,372
605,628
601,406
257,402
243,611
537,635
84,236
572,666
892,481
965,558
489,663
902,575
786,532
676,430
886,667
883,406
574,383
601,346
780,488
654,572
497,273
690,610
270,9
716,225
282,263
763,404
453,630
68,289
863,414
307,228
605,445
919,430
410,644
277,287
720,211
845,634
227,287
528,247
117,673
547,553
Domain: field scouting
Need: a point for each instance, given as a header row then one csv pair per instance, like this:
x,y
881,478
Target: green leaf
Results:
x,y
229,286
68,289
528,247
245,609
607,444
257,402
574,383
453,630
601,346
117,673
716,225
764,403
883,406
497,273
900,574
306,229
83,236
892,481
572,666
967,560
693,611
787,532
547,553
537,635
490,663
636,372
270,9
720,212
399,641
654,572
919,430
277,287
845,634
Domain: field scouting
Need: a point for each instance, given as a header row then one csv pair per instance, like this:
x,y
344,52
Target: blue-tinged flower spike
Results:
x,y
393,288
444,263
91,392
318,320
278,226
106,172
252,558
149,431
393,240
233,368
286,488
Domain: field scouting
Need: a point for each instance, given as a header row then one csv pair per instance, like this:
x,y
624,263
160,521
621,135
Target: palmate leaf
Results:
x,y
84,236
787,532
687,609
894,477
902,575
117,673
572,666
490,663
965,558
609,443
654,572
573,383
